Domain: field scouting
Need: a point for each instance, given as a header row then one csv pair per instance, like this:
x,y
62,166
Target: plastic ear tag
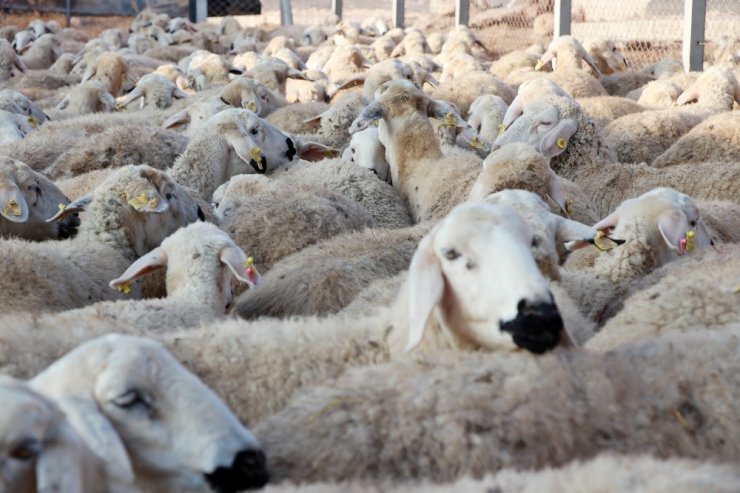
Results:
x,y
249,270
251,107
688,243
501,128
143,200
330,153
450,120
61,207
603,242
561,143
12,208
124,288
569,206
375,122
539,65
255,153
475,143
32,121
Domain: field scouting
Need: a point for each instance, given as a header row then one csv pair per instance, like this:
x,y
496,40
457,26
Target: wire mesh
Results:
x,y
219,8
95,7
722,32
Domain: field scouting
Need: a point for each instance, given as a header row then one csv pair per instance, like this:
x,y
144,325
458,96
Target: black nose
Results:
x,y
67,228
537,326
201,215
248,472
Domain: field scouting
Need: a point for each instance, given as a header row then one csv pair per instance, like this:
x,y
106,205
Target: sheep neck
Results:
x,y
567,59
195,282
202,165
106,223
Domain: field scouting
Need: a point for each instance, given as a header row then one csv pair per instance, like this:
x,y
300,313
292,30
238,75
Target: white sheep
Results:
x,y
13,127
128,215
33,113
28,199
88,97
155,91
42,452
243,92
485,115
448,415
196,115
110,69
716,139
606,56
366,151
146,416
9,61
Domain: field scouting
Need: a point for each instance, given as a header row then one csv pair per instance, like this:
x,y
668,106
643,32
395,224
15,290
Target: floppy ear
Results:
x,y
586,57
673,227
556,192
689,95
297,74
245,153
89,72
135,94
146,199
372,112
513,112
156,259
354,81
313,151
178,118
429,79
13,206
19,63
99,435
573,234
178,93
73,207
546,57
107,99
235,259
317,118
609,222
425,285
65,102
555,141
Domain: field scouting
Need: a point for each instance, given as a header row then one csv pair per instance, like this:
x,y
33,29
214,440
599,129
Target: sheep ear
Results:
x,y
89,72
58,468
442,110
247,154
586,57
154,260
556,140
556,192
513,112
372,112
425,285
135,94
354,81
673,227
546,57
609,222
235,259
297,74
313,151
74,207
573,234
107,99
178,93
179,118
64,103
317,118
429,79
99,435
147,200
687,96
13,206
19,63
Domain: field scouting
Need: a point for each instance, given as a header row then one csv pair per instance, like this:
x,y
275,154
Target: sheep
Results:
x,y
697,291
529,92
379,73
9,61
292,118
716,139
200,260
319,88
606,56
451,414
42,53
273,73
313,36
140,411
518,166
42,452
155,91
23,40
342,63
13,127
88,97
110,69
360,185
463,91
509,62
657,94
366,151
244,92
235,142
569,53
118,146
605,109
33,113
207,68
28,199
335,122
607,472
429,182
128,215
486,114
581,154
196,115
272,221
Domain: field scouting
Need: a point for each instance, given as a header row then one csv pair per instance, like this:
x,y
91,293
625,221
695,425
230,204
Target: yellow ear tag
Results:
x,y
375,122
539,64
12,208
603,242
251,107
475,143
256,154
561,143
501,128
32,121
690,241
61,207
569,206
124,288
249,267
330,153
450,120
141,201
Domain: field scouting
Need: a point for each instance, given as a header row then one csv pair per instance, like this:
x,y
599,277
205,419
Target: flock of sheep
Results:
x,y
405,261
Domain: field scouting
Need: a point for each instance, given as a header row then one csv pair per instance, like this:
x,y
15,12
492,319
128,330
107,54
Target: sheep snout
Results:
x,y
248,471
537,326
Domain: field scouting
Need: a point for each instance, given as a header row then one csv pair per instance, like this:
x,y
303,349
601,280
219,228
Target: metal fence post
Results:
x,y
462,12
336,7
398,13
286,13
561,24
198,10
694,14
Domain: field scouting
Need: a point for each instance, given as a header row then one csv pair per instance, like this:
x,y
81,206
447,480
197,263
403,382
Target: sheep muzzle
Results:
x,y
536,328
291,149
248,471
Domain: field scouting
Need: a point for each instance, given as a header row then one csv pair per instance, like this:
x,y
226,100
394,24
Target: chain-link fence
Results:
x,y
218,8
722,32
95,7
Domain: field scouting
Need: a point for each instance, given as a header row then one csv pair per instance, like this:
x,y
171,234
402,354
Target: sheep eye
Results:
x,y
535,243
253,131
129,400
27,450
451,254
692,223
168,196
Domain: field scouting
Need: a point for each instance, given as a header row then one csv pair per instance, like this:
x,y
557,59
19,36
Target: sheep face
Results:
x,y
366,151
542,128
39,451
27,199
28,107
13,127
252,95
141,411
476,268
667,222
